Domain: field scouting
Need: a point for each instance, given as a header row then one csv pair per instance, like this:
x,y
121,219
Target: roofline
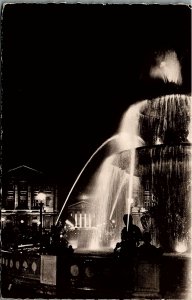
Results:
x,y
79,202
24,166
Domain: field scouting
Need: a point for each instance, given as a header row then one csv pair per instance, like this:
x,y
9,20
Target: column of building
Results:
x,y
82,219
16,197
29,196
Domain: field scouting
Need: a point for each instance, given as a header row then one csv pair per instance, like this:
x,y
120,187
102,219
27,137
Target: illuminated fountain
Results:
x,y
147,172
161,166
148,169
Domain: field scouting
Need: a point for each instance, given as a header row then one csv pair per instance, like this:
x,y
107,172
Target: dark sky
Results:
x,y
70,71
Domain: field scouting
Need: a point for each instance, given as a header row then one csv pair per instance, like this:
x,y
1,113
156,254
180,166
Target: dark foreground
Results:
x,y
94,276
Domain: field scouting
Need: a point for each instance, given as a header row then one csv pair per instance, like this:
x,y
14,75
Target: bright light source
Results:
x,y
181,247
41,197
83,197
3,219
158,141
69,223
22,221
113,221
143,209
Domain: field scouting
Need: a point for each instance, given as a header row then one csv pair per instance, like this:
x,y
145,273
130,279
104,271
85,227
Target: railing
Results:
x,y
91,276
21,264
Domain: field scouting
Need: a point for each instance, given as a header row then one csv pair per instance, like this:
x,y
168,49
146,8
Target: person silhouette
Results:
x,y
126,251
130,237
148,251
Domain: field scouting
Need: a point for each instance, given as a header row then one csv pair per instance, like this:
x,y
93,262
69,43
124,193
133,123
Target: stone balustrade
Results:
x,y
94,276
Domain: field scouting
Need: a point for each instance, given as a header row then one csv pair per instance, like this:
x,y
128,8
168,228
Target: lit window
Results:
x,y
48,200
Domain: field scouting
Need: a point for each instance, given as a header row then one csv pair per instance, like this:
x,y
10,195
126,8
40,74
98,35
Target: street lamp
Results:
x,y
41,198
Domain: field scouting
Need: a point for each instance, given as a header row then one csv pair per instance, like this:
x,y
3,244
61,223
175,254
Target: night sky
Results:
x,y
70,71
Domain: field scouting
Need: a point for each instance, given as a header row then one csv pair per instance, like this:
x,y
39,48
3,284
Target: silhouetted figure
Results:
x,y
130,232
59,244
130,237
148,251
126,252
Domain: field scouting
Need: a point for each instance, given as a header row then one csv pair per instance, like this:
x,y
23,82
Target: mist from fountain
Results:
x,y
113,187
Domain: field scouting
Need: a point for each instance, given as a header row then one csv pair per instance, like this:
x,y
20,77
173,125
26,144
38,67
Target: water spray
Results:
x,y
117,197
129,202
78,177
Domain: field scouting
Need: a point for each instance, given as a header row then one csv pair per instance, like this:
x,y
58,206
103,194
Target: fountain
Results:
x,y
160,166
164,169
147,173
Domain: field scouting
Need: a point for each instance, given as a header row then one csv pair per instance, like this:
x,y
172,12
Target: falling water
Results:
x,y
162,120
113,188
130,124
164,166
152,152
124,180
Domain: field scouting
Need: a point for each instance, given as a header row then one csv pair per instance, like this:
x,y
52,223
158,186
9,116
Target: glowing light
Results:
x,y
3,219
83,197
158,141
41,197
181,247
69,223
73,243
22,221
167,68
143,209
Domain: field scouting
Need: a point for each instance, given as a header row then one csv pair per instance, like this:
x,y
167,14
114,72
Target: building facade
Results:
x,y
24,188
80,214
